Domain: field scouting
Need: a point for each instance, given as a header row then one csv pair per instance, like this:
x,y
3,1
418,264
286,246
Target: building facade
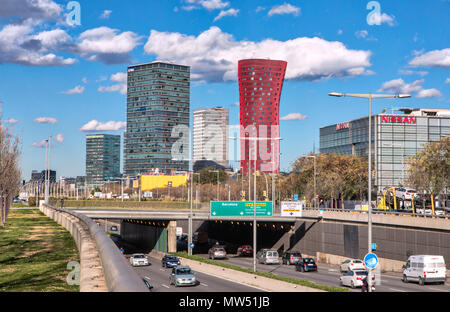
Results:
x,y
210,135
157,136
395,138
260,87
102,158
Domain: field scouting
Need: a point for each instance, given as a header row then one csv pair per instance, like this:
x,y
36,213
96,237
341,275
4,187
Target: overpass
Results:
x,y
329,235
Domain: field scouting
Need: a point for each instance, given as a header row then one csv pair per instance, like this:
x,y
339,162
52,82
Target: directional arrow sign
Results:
x,y
241,208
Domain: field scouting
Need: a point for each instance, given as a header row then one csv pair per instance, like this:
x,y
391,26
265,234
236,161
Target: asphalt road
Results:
x,y
158,277
329,275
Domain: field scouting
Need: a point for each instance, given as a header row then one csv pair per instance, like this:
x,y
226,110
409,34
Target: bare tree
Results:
x,y
9,171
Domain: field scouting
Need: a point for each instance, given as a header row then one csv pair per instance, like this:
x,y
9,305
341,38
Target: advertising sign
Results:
x,y
292,208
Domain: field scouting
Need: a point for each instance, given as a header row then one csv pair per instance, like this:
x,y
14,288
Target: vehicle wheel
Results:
x,y
405,279
302,269
421,281
352,285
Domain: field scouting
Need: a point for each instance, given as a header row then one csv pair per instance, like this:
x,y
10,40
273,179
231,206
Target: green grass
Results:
x,y
34,253
128,204
264,274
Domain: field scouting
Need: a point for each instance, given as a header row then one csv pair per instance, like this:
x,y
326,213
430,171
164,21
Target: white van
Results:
x,y
425,268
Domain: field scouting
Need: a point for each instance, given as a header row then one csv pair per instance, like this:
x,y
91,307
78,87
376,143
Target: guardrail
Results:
x,y
119,275
445,215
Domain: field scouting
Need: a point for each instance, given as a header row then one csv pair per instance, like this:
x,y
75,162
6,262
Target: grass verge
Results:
x,y
34,253
264,274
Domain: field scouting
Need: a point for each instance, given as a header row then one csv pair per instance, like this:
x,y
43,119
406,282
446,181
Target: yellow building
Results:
x,y
151,182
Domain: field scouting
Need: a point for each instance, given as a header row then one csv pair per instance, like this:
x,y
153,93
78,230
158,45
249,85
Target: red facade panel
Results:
x,y
260,86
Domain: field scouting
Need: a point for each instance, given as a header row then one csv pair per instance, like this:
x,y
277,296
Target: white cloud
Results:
x,y
361,33
285,8
59,138
384,18
447,80
107,45
399,86
121,86
105,14
210,4
84,79
408,72
340,32
12,121
428,93
230,12
435,58
259,9
76,90
36,9
294,116
213,55
46,120
95,125
40,144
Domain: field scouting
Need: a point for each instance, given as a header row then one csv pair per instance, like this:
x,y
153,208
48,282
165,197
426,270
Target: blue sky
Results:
x,y
67,80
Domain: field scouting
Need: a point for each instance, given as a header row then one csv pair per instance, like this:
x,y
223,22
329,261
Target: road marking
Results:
x,y
393,289
203,284
437,289
147,277
162,270
165,286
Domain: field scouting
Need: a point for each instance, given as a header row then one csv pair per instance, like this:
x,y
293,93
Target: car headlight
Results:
x,y
178,279
193,279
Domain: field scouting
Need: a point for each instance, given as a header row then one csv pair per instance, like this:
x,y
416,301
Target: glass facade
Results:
x,y
158,100
395,138
102,158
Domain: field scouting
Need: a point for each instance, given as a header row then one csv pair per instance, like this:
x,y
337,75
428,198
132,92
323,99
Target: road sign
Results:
x,y
191,245
295,197
371,260
374,246
291,209
241,209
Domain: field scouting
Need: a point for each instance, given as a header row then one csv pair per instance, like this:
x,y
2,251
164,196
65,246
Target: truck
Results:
x,y
425,268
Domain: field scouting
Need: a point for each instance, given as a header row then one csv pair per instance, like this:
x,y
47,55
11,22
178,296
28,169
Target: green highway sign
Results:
x,y
241,209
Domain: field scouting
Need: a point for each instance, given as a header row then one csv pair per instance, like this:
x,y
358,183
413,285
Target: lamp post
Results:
x,y
370,96
217,182
254,189
196,190
314,178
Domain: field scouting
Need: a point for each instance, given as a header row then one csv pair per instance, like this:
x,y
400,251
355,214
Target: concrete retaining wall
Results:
x,y
91,271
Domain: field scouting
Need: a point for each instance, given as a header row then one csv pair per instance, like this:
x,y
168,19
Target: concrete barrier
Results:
x,y
103,267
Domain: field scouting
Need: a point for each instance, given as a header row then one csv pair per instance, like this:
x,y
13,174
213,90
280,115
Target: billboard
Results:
x,y
292,208
151,182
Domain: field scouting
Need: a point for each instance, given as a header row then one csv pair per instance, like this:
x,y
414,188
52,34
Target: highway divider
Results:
x,y
103,267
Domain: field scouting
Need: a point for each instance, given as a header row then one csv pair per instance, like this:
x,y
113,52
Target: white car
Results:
x,y
354,278
138,260
425,268
405,193
352,264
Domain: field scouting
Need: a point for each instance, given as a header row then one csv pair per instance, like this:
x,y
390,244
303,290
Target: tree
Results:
x,y
9,171
429,169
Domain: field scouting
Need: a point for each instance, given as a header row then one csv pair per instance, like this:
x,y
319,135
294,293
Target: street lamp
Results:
x,y
370,96
254,190
217,182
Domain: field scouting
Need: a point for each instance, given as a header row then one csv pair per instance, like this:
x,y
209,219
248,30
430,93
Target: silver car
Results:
x,y
182,276
269,257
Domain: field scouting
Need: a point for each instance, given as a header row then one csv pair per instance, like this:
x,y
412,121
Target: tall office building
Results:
x,y
210,136
157,118
260,86
102,158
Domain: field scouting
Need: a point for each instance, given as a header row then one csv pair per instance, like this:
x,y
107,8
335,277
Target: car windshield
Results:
x,y
411,191
357,261
246,246
138,256
361,272
272,254
220,249
183,271
308,260
295,254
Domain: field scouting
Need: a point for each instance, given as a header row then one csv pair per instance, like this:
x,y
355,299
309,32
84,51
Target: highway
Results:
x,y
329,275
158,277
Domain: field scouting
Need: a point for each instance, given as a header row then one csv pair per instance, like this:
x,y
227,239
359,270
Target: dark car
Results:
x,y
306,265
170,261
113,228
150,287
245,250
291,257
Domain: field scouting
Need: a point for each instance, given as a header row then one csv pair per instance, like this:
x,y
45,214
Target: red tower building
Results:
x,y
260,85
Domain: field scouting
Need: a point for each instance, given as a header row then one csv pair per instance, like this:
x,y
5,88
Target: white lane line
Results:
x,y
393,289
147,277
165,286
229,280
162,270
203,284
437,289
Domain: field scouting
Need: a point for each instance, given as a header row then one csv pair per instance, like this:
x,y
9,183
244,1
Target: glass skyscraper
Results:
x,y
158,100
102,158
